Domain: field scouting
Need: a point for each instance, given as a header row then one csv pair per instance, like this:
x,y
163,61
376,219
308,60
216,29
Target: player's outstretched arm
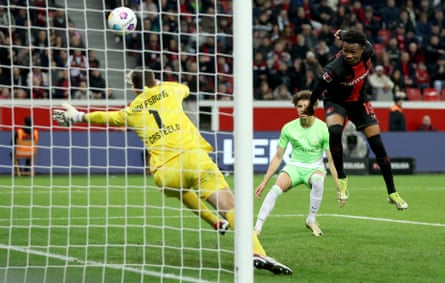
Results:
x,y
68,116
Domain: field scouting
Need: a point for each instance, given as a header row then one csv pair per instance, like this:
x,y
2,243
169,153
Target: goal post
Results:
x,y
92,212
243,135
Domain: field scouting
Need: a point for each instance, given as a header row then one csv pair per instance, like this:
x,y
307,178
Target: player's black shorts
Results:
x,y
360,113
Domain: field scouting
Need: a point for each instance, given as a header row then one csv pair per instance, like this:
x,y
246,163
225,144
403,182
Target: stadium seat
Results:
x,y
384,35
431,94
413,93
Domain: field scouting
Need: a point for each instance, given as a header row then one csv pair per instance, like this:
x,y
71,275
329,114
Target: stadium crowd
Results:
x,y
43,55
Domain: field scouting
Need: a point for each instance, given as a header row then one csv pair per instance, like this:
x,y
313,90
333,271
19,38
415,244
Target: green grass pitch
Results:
x,y
120,229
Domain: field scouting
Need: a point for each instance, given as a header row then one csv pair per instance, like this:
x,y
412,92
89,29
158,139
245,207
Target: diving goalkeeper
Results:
x,y
179,155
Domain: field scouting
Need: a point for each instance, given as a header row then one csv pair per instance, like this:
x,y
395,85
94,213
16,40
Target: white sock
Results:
x,y
267,206
316,196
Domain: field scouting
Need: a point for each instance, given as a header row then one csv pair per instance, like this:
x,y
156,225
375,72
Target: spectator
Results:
x,y
37,81
401,36
415,54
151,57
259,68
5,93
325,13
422,77
358,10
397,121
297,16
78,66
97,84
322,52
423,27
438,75
434,50
390,14
62,84
309,80
407,21
407,69
393,51
388,67
83,92
7,23
381,84
370,24
300,49
426,126
264,92
93,62
439,19
399,89
20,89
311,63
60,23
25,146
281,93
309,36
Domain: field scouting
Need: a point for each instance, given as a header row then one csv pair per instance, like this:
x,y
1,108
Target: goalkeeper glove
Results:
x,y
68,117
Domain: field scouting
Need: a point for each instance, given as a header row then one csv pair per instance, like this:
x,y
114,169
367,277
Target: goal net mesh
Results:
x,y
85,208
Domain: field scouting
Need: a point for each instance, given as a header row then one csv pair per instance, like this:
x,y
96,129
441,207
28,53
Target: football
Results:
x,y
122,20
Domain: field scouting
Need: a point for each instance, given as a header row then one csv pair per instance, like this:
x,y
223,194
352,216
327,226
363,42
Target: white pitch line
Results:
x,y
69,259
366,218
272,215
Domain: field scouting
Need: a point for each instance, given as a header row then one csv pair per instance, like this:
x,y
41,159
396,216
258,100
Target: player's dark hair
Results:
x,y
353,36
27,128
141,78
301,95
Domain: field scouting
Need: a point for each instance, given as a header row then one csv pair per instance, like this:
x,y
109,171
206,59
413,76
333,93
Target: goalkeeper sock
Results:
x,y
317,181
267,206
192,201
257,247
230,216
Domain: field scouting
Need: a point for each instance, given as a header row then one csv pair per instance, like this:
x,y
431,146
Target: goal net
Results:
x,y
83,207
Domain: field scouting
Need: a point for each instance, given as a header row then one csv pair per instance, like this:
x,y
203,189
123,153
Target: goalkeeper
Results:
x,y
179,155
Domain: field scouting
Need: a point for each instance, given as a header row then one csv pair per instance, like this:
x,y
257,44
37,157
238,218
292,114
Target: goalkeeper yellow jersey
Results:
x,y
157,117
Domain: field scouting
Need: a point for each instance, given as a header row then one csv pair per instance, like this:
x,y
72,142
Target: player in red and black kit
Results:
x,y
342,82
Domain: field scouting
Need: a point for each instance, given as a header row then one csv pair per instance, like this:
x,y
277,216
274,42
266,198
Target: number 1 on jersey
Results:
x,y
158,119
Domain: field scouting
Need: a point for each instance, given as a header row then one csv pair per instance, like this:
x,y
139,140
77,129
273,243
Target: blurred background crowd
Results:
x,y
43,55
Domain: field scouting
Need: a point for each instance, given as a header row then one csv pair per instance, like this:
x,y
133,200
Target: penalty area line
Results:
x,y
74,260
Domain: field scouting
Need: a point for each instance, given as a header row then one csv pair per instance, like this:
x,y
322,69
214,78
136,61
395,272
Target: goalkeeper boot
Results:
x,y
313,226
268,263
395,198
342,191
222,226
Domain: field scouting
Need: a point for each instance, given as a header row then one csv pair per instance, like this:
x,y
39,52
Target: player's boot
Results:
x,y
395,198
222,226
268,263
313,226
342,191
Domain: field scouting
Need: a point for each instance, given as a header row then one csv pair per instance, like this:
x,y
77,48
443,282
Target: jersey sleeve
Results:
x,y
112,118
326,77
284,140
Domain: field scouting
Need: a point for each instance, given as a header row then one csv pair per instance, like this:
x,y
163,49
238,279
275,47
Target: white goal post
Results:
x,y
90,212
